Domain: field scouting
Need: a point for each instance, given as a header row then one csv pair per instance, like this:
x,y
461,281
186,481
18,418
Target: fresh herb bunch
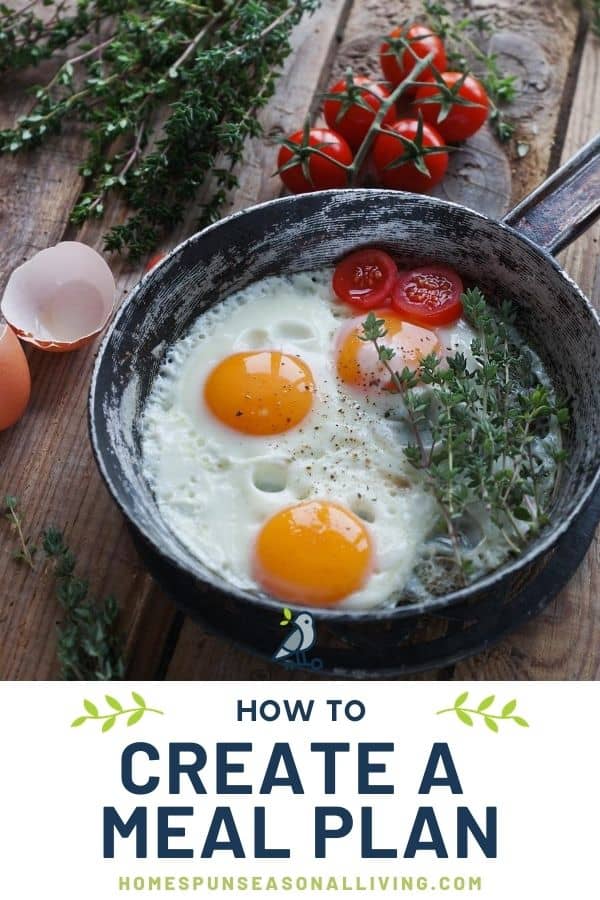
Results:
x,y
27,39
483,435
214,63
89,646
465,34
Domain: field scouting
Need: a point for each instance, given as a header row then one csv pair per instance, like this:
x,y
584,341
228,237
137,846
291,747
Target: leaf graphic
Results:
x,y
115,710
284,622
114,703
138,699
287,613
520,721
485,704
469,714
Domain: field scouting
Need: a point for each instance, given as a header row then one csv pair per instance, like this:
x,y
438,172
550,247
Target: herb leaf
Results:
x,y
89,645
485,437
128,59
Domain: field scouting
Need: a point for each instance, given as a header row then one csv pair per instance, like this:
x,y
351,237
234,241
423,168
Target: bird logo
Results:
x,y
300,638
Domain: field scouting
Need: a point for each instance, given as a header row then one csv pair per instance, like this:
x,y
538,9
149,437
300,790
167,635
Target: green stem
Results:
x,y
475,712
206,29
375,127
125,712
425,463
16,521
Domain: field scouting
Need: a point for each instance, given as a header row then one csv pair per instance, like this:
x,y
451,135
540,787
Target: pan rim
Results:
x,y
537,550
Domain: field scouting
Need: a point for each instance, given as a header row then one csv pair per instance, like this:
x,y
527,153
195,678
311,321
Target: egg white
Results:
x,y
216,487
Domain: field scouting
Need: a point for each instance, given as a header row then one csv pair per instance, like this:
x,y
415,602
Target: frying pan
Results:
x,y
511,259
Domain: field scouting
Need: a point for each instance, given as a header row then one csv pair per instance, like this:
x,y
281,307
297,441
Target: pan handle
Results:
x,y
567,203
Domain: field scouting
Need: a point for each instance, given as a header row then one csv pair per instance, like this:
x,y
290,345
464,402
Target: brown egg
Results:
x,y
15,381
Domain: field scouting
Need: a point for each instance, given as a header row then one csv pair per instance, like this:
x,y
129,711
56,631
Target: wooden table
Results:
x,y
46,460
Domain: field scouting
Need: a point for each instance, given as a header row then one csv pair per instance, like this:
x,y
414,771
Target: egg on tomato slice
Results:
x,y
358,362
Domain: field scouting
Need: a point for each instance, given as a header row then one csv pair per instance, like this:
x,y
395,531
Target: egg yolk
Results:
x,y
260,392
315,553
357,360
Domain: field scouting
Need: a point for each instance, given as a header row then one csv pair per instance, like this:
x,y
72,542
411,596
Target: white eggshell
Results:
x,y
61,298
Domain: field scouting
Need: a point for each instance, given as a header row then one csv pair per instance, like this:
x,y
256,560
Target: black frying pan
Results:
x,y
509,259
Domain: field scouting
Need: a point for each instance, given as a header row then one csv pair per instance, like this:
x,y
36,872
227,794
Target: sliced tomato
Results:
x,y
365,278
429,295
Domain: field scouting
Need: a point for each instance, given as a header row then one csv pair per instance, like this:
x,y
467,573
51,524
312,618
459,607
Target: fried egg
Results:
x,y
273,445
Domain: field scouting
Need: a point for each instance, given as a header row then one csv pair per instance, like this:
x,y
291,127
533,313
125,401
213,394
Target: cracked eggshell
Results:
x,y
15,380
61,298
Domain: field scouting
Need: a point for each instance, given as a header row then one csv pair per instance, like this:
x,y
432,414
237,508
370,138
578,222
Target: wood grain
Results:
x,y
564,642
46,460
536,44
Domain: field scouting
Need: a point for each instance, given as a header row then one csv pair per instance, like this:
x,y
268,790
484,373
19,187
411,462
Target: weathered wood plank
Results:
x,y
37,190
46,459
533,40
564,642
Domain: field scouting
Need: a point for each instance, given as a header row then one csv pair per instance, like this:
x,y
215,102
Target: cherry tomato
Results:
x,y
154,261
365,278
397,65
429,295
461,119
352,114
396,158
302,170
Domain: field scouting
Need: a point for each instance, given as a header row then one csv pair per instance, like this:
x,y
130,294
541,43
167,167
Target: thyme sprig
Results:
x,y
465,34
12,514
485,435
89,645
212,65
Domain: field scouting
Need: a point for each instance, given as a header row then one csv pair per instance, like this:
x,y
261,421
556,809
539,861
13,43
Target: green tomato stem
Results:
x,y
375,127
